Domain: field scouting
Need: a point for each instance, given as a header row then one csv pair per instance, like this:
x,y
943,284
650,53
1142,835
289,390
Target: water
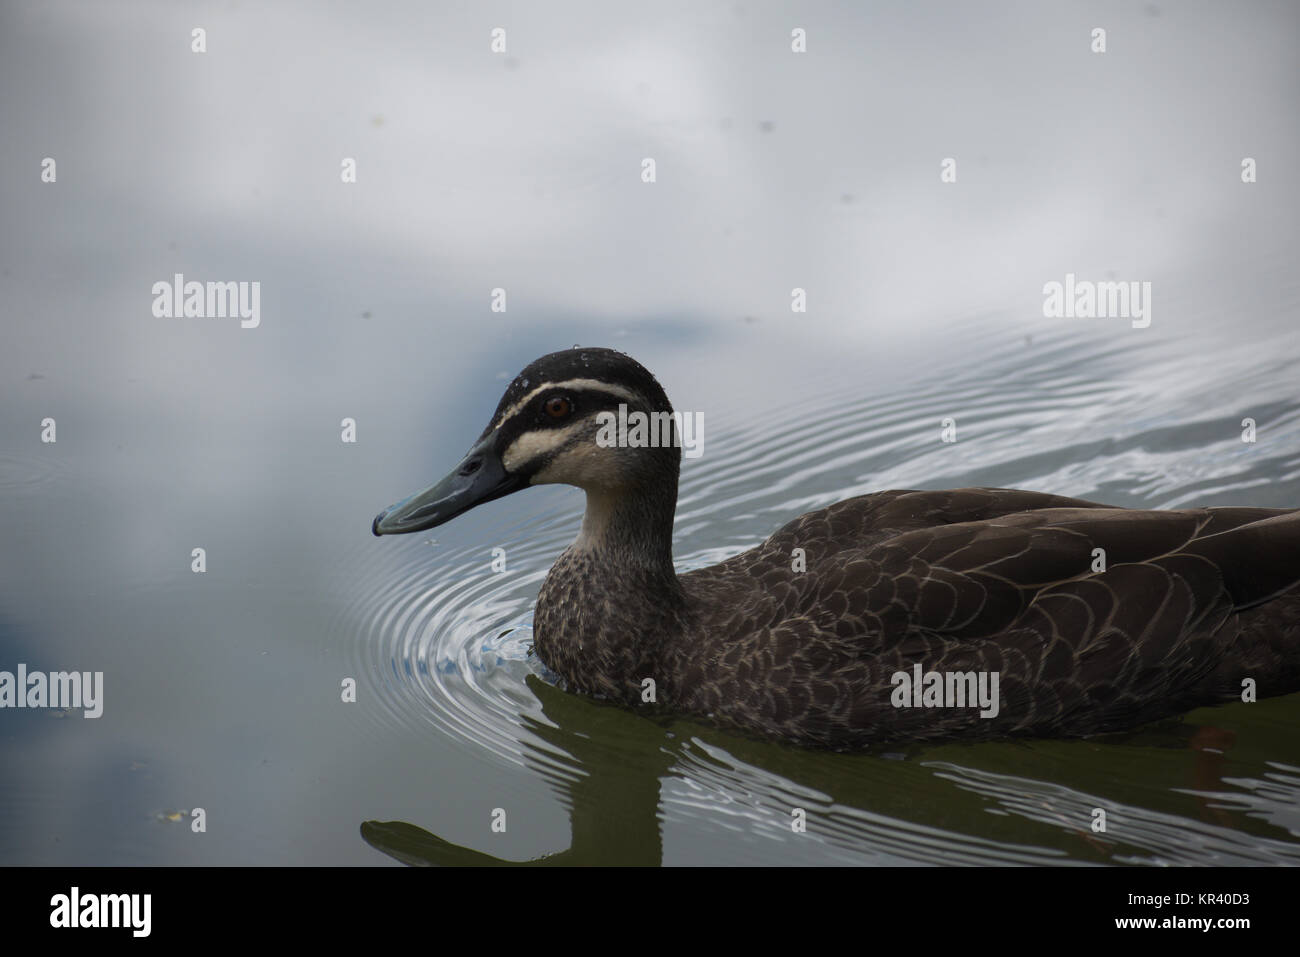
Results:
x,y
223,689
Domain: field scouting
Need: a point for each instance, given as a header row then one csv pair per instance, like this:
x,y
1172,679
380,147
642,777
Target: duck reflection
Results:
x,y
613,800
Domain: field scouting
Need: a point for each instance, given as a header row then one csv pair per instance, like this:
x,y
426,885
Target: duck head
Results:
x,y
559,422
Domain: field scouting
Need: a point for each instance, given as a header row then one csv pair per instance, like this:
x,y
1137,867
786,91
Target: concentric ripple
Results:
x,y
446,645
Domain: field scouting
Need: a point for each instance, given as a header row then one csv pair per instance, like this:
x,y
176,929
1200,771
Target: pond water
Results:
x,y
522,171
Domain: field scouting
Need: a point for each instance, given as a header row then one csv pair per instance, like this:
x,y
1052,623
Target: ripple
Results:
x,y
446,645
30,473
750,799
1141,835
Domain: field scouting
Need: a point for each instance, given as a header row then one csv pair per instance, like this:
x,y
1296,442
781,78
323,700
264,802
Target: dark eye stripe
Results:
x,y
585,400
581,401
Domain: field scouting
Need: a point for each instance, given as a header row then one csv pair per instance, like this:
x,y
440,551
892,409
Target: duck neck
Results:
x,y
632,528
612,601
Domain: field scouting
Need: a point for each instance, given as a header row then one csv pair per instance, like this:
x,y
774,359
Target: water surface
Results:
x,y
223,689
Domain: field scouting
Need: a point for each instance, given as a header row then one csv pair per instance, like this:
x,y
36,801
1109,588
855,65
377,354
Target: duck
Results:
x,y
899,615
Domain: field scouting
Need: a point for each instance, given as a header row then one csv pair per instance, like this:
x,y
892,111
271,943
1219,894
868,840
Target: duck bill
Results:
x,y
479,478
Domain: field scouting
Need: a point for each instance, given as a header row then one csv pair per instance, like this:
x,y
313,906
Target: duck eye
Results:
x,y
557,407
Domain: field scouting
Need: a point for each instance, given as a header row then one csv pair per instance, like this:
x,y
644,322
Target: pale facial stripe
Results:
x,y
531,445
596,385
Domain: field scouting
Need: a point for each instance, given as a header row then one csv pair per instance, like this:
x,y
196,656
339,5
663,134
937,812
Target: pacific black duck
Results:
x,y
1078,617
